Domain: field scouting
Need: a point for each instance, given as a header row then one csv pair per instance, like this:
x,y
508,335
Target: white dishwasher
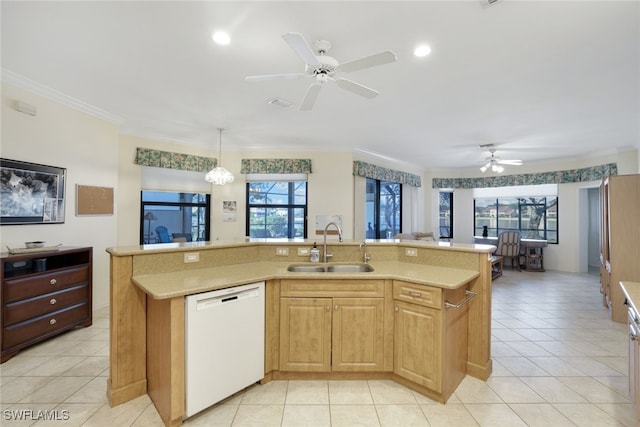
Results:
x,y
224,344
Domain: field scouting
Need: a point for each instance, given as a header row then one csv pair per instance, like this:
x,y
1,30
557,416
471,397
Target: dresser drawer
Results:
x,y
417,294
36,306
50,281
44,326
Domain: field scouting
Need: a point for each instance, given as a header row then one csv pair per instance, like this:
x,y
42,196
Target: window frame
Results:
x,y
451,222
377,232
206,205
291,206
522,203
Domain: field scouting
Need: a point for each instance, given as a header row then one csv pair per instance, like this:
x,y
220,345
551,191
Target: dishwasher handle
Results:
x,y
227,298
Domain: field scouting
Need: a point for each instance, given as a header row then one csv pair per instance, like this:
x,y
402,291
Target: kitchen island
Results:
x,y
416,284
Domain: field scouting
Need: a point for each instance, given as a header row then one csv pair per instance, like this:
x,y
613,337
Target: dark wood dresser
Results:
x,y
43,294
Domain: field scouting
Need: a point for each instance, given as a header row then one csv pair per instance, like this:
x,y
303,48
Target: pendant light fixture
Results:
x,y
219,175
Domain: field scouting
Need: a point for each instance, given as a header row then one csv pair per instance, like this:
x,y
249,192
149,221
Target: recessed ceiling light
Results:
x,y
422,50
221,37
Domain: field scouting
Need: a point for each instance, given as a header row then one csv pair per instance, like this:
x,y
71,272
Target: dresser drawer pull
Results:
x,y
53,281
52,301
415,294
52,321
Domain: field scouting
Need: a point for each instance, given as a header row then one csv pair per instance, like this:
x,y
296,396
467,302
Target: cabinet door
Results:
x,y
634,365
305,334
417,344
358,334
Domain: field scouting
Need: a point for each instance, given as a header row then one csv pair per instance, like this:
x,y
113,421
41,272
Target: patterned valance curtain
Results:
x,y
367,170
593,173
275,166
168,160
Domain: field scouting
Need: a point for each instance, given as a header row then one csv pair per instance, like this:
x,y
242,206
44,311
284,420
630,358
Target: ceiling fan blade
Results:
x,y
510,162
289,76
368,61
301,48
310,97
356,88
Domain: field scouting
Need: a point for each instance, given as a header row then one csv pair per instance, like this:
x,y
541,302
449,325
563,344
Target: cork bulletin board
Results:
x,y
94,200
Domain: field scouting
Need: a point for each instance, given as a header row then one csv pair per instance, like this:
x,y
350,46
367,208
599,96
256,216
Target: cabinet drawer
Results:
x,y
44,326
50,281
332,288
417,294
36,306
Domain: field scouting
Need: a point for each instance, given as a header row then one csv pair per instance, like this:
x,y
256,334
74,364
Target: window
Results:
x,y
383,209
277,209
166,216
446,214
534,217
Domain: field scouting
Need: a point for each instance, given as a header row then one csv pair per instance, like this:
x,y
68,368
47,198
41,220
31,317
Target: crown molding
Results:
x,y
22,82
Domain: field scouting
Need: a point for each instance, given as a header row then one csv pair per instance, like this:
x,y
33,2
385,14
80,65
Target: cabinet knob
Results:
x,y
336,307
52,301
52,321
53,281
397,308
328,308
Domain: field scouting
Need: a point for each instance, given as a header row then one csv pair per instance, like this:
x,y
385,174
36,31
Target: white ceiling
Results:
x,y
545,79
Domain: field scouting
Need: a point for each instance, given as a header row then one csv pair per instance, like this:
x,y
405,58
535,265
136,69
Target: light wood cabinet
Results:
x,y
431,336
358,339
321,332
620,234
331,334
417,338
305,334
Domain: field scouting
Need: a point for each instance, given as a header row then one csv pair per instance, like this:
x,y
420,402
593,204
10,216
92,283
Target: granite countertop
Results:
x,y
181,283
632,292
189,246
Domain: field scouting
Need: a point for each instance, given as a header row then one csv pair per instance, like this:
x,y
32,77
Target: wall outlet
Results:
x,y
191,257
411,252
282,251
303,252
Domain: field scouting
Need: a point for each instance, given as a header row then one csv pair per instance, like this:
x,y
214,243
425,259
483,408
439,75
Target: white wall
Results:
x,y
130,180
570,253
416,209
87,147
330,188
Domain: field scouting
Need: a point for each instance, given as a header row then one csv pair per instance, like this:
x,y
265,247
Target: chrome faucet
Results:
x,y
365,256
325,255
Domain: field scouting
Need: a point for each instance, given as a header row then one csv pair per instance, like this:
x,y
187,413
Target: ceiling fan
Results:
x,y
495,163
323,68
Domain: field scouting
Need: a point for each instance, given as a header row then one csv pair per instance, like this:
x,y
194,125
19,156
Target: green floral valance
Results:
x,y
368,170
593,173
275,166
166,159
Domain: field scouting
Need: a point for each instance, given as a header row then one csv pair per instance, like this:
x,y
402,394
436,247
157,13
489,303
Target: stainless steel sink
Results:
x,y
331,268
349,268
306,268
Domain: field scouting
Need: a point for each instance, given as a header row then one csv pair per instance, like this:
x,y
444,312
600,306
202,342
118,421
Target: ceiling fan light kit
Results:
x,y
323,69
495,163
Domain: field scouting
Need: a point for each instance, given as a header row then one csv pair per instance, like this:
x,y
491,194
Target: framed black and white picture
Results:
x,y
31,193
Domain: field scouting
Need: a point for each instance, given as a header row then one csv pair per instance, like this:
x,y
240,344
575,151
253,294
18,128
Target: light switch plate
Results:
x,y
303,252
192,257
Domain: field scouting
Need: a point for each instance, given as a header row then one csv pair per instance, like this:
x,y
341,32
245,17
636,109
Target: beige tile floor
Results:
x,y
558,361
